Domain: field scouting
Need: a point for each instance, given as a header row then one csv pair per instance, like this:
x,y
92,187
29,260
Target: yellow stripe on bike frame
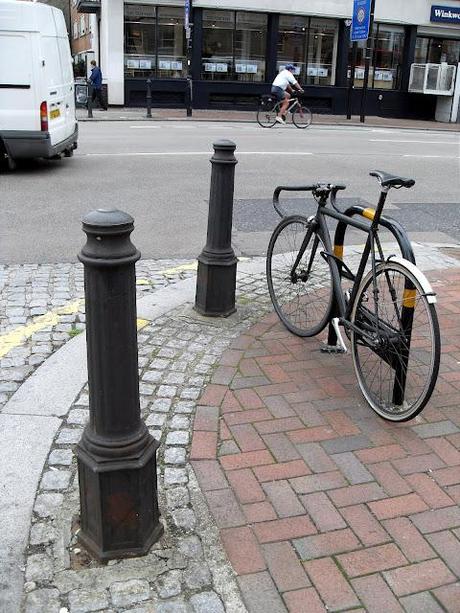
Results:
x,y
368,213
338,251
409,298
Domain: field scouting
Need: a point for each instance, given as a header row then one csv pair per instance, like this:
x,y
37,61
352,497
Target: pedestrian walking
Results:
x,y
95,79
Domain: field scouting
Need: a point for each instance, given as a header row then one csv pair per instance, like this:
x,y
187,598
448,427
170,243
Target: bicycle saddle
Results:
x,y
388,180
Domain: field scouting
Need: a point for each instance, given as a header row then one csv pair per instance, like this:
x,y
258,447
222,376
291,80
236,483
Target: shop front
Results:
x,y
235,54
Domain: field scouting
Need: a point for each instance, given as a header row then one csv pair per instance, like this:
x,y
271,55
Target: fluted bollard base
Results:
x,y
215,287
118,518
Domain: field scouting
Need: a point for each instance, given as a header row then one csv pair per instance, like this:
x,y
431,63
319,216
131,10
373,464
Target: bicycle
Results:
x,y
269,108
388,313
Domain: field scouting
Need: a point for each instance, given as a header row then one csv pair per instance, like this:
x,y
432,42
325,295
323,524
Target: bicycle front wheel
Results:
x,y
299,278
302,117
397,361
266,117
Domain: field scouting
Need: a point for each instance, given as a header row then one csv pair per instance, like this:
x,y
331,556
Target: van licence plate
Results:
x,y
55,113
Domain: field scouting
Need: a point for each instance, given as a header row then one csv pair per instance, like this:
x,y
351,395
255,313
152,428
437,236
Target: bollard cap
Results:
x,y
106,218
224,151
108,238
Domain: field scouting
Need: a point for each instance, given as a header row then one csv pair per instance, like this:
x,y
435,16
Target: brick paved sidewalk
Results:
x,y
321,505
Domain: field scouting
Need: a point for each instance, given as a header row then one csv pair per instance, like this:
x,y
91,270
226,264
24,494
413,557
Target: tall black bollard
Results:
x,y
89,100
149,98
216,278
116,454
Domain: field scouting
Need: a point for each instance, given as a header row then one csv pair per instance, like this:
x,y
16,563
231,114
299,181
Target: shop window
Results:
x,y
436,50
234,46
322,52
154,41
311,45
387,43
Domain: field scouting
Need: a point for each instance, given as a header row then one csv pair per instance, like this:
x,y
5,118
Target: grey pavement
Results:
x,y
179,114
187,571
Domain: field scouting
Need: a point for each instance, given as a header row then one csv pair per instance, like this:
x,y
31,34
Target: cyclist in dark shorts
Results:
x,y
282,86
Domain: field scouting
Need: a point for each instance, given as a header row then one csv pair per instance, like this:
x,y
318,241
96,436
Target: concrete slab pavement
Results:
x,y
139,114
303,490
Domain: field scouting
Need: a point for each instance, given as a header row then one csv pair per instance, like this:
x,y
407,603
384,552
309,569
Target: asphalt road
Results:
x,y
160,174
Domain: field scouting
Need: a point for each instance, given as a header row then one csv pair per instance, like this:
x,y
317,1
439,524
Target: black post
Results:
x,y
188,42
367,62
216,277
89,100
116,454
149,98
351,82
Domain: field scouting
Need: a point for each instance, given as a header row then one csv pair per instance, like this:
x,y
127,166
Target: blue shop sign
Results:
x,y
360,20
445,14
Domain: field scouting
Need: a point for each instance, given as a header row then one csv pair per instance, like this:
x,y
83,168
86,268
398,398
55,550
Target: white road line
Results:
x,y
421,142
441,157
187,153
145,127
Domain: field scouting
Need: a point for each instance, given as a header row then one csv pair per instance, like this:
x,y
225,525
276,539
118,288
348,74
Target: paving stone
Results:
x,y
207,602
190,547
78,416
184,518
69,436
177,438
175,455
177,497
61,457
47,504
169,584
56,480
39,567
173,606
85,601
130,592
197,576
42,600
42,533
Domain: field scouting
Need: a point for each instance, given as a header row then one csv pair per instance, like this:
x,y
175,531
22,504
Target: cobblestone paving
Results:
x,y
187,571
42,307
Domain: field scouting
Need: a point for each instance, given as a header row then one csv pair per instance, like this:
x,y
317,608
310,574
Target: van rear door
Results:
x,y
18,106
54,90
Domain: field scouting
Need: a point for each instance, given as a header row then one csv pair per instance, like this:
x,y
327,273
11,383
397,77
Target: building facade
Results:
x,y
237,46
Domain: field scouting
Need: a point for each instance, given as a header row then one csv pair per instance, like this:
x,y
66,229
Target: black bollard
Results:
x,y
149,98
216,277
89,100
116,454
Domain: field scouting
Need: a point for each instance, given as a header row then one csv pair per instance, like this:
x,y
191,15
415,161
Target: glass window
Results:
x,y
250,46
171,43
292,40
234,45
218,31
388,53
421,50
140,40
154,41
386,63
311,45
322,52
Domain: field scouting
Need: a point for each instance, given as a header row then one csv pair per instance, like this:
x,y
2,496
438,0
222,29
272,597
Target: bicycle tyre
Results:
x,y
266,118
302,117
399,391
303,305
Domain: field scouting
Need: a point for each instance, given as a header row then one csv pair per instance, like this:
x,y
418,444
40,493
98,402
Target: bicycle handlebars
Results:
x,y
319,190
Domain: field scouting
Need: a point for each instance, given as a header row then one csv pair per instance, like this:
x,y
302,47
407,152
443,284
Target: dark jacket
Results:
x,y
96,77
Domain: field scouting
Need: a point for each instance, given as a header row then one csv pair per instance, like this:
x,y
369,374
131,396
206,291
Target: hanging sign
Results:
x,y
360,20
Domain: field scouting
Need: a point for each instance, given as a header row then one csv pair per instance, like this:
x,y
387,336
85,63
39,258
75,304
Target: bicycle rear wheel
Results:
x,y
266,117
302,293
396,373
302,117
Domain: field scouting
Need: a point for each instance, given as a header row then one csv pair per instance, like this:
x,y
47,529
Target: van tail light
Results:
x,y
44,116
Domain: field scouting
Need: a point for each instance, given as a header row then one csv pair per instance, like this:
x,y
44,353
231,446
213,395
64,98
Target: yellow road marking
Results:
x,y
143,282
141,323
17,336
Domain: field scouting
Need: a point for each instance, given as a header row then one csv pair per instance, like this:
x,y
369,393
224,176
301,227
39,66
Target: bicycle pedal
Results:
x,y
332,349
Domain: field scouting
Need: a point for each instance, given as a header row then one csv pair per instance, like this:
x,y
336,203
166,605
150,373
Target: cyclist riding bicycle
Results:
x,y
282,87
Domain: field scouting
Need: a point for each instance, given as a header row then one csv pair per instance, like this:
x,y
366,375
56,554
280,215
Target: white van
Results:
x,y
37,105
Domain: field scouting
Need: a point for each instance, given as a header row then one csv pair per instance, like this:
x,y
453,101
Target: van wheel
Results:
x,y
12,164
68,153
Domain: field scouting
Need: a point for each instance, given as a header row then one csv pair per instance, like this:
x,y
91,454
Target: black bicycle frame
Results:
x,y
334,254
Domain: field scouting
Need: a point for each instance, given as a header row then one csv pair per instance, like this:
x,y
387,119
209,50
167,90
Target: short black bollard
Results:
x,y
116,454
149,98
216,277
89,101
